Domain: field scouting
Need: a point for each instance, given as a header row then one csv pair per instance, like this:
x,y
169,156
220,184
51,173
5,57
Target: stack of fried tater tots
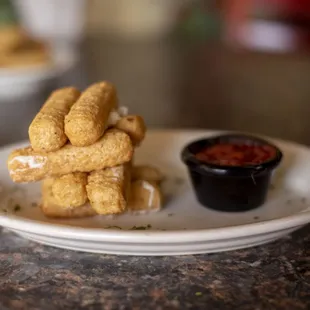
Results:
x,y
82,148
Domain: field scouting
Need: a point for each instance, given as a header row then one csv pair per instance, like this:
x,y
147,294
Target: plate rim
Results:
x,y
154,236
150,251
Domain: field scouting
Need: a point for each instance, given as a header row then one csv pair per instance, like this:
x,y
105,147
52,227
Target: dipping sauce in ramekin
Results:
x,y
236,154
231,172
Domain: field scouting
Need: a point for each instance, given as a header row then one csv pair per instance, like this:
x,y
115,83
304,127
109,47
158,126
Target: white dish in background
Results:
x,y
55,20
183,227
268,36
25,81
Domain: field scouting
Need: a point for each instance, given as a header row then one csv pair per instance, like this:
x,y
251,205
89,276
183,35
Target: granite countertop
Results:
x,y
273,276
174,85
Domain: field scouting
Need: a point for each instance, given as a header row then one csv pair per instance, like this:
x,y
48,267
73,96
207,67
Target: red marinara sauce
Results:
x,y
235,154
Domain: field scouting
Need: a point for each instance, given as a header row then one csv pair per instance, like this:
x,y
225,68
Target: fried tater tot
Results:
x,y
107,189
145,196
134,126
70,189
50,208
114,148
46,132
147,173
88,117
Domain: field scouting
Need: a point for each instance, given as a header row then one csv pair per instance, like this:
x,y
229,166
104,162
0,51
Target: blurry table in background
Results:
x,y
204,85
186,84
15,117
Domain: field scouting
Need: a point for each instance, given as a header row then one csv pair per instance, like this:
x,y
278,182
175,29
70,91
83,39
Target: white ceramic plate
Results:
x,y
18,82
183,227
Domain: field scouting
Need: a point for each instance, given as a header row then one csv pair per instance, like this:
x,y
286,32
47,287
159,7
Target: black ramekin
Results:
x,y
229,188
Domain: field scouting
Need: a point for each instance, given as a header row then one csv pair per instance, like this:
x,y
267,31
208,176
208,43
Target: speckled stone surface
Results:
x,y
273,276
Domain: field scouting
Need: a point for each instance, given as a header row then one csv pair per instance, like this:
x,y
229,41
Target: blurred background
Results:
x,y
230,64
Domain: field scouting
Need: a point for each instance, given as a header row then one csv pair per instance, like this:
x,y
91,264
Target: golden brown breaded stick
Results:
x,y
87,119
134,126
50,208
70,189
46,132
114,148
107,189
145,196
147,173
